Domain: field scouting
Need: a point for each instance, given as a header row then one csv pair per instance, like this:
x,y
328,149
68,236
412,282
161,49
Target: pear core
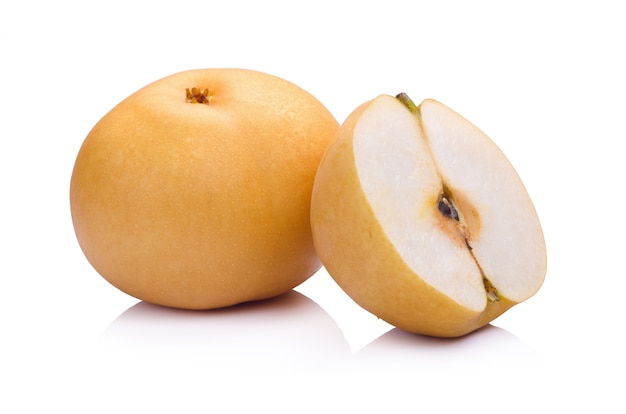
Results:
x,y
453,213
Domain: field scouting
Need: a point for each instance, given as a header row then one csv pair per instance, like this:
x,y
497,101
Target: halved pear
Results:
x,y
423,221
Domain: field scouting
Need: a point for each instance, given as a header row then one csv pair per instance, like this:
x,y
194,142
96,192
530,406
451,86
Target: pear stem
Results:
x,y
408,102
195,95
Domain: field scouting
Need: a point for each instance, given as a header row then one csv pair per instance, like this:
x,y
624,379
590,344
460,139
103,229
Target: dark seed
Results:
x,y
447,209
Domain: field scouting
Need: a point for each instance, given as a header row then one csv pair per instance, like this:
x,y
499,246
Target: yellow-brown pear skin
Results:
x,y
198,202
360,258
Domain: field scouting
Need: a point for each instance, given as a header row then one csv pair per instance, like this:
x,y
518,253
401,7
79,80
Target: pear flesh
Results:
x,y
442,236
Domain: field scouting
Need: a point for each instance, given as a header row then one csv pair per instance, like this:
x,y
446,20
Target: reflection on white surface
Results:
x,y
290,333
400,351
293,334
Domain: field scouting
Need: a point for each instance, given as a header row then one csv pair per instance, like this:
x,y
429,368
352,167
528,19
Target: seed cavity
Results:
x,y
447,207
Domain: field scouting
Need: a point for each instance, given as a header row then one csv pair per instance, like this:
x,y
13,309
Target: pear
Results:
x,y
422,220
194,191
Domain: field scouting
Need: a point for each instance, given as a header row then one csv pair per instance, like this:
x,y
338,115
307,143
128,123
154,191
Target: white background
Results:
x,y
545,79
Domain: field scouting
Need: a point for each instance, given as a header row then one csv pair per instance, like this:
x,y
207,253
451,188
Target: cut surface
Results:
x,y
450,202
509,246
402,185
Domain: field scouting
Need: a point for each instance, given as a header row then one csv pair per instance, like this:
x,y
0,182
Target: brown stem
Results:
x,y
195,95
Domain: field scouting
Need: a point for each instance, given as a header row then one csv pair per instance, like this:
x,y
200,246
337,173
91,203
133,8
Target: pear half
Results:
x,y
422,220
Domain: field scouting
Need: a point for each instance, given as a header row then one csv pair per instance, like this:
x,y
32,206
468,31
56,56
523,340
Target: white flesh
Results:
x,y
403,166
510,246
402,185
